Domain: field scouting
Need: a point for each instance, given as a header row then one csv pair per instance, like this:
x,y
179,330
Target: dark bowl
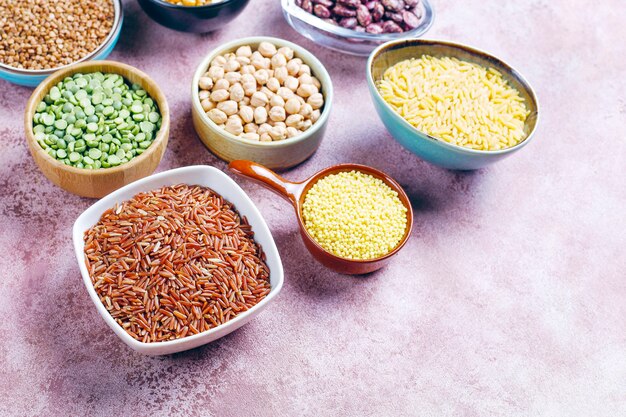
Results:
x,y
196,19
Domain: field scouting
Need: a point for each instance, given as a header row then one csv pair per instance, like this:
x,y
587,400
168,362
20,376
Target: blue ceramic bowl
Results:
x,y
427,147
32,78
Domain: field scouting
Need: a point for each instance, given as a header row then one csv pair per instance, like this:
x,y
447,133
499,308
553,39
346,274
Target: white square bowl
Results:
x,y
193,175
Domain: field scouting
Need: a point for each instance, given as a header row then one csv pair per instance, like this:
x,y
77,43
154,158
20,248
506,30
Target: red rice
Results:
x,y
174,262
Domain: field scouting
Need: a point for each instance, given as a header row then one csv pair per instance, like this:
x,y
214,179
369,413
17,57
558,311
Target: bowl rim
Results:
x,y
167,5
105,203
473,51
118,18
292,9
306,56
368,170
46,84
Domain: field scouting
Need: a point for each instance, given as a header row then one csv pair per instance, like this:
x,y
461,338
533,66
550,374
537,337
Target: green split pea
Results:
x,y
96,121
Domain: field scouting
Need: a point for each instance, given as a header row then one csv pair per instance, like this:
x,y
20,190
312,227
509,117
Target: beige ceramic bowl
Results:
x,y
98,182
276,155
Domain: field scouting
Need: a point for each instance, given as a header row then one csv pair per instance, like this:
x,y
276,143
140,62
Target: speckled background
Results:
x,y
509,300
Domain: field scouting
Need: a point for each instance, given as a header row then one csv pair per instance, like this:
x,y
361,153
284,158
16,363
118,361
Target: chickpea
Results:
x,y
316,100
262,76
260,115
281,74
264,128
216,73
278,133
262,93
267,49
307,90
205,83
259,99
293,67
229,107
207,105
243,60
286,51
232,77
221,84
273,84
294,120
269,93
251,136
217,116
204,94
218,61
236,92
232,65
305,125
304,69
250,128
306,110
277,114
285,93
249,88
246,113
292,131
292,106
245,51
219,95
278,60
248,69
305,79
292,83
234,126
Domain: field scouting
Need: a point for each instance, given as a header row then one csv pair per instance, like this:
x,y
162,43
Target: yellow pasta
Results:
x,y
456,101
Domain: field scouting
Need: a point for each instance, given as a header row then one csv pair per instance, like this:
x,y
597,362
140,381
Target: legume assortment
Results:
x,y
96,121
457,101
262,94
354,215
44,34
175,262
372,16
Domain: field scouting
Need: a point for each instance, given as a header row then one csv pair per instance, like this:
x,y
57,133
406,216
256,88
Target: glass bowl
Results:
x,y
348,40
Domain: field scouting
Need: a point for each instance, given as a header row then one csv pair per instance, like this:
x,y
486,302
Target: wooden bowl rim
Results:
x,y
303,53
46,84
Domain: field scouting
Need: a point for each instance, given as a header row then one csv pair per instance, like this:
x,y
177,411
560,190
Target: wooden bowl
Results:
x,y
98,182
295,192
280,154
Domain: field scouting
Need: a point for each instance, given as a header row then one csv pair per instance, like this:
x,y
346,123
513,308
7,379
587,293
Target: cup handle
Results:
x,y
290,191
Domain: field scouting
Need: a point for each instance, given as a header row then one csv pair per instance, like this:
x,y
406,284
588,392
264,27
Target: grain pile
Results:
x,y
44,34
457,101
175,262
354,215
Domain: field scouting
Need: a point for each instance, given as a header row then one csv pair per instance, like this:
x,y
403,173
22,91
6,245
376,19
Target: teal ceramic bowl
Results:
x,y
32,78
429,148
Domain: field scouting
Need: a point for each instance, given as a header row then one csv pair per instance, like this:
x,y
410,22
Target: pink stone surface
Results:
x,y
509,299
